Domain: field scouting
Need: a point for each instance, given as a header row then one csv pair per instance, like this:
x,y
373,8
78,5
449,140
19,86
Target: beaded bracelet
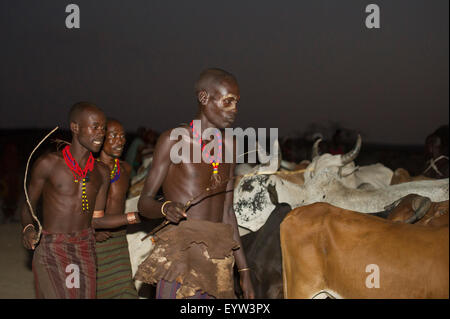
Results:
x,y
131,218
98,214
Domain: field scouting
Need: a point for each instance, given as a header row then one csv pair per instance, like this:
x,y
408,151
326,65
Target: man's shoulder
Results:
x,y
182,128
125,166
174,134
102,168
49,159
47,164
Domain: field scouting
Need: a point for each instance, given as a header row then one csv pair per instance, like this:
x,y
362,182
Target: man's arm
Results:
x,y
39,175
113,221
147,205
102,195
110,218
229,217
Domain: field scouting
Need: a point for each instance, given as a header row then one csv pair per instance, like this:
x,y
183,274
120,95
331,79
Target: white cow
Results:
x,y
375,176
138,249
332,183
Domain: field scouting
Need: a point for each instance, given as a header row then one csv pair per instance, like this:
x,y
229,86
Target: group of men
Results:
x,y
83,251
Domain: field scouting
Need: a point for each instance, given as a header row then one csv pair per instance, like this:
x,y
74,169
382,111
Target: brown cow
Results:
x,y
435,214
401,175
332,251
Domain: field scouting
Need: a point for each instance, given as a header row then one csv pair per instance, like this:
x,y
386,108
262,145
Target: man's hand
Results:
x,y
174,212
138,218
102,236
30,238
246,285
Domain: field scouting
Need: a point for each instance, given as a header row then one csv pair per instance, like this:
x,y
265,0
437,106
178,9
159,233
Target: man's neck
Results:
x,y
79,153
107,159
205,123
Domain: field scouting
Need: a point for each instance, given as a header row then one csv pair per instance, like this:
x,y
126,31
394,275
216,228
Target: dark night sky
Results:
x,y
297,62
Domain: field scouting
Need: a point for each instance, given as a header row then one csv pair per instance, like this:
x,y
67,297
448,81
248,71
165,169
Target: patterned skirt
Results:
x,y
114,278
190,259
64,265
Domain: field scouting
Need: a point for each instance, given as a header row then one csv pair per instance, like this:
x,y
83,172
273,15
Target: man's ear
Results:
x,y
74,127
203,97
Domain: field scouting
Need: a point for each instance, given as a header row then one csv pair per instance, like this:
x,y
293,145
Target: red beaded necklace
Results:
x,y
214,161
81,173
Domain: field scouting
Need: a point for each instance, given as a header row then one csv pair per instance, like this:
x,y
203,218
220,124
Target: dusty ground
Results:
x,y
16,277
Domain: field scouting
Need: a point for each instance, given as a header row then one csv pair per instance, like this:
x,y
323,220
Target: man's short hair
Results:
x,y
210,77
78,108
113,120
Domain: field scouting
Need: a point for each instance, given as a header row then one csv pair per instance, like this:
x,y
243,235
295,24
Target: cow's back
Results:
x,y
326,248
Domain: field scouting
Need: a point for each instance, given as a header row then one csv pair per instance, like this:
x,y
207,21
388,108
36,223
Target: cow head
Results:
x,y
252,204
271,166
325,184
342,165
252,201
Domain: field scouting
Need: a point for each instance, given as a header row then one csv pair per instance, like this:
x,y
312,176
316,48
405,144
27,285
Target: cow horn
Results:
x,y
273,195
273,164
287,165
420,205
315,148
350,156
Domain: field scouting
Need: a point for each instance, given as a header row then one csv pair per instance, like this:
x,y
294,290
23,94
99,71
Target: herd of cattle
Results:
x,y
325,227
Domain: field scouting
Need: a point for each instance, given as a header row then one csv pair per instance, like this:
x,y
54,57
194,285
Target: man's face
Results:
x,y
91,130
221,108
114,140
432,146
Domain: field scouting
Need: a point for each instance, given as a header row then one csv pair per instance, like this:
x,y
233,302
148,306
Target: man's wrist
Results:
x,y
244,270
131,218
162,207
98,214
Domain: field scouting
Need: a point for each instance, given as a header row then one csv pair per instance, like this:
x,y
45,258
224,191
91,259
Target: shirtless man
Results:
x,y
114,279
73,187
436,152
194,256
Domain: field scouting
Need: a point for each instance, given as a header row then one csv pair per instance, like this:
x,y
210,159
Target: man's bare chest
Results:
x,y
65,183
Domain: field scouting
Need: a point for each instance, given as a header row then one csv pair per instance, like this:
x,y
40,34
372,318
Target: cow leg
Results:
x,y
306,280
325,295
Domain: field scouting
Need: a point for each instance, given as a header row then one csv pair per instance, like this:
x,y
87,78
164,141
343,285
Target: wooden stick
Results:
x,y
188,203
25,185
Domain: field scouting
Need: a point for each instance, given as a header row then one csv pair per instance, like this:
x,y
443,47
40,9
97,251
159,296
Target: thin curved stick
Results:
x,y
25,184
189,202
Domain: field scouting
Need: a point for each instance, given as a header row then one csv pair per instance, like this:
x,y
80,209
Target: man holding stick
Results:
x,y
73,187
194,255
